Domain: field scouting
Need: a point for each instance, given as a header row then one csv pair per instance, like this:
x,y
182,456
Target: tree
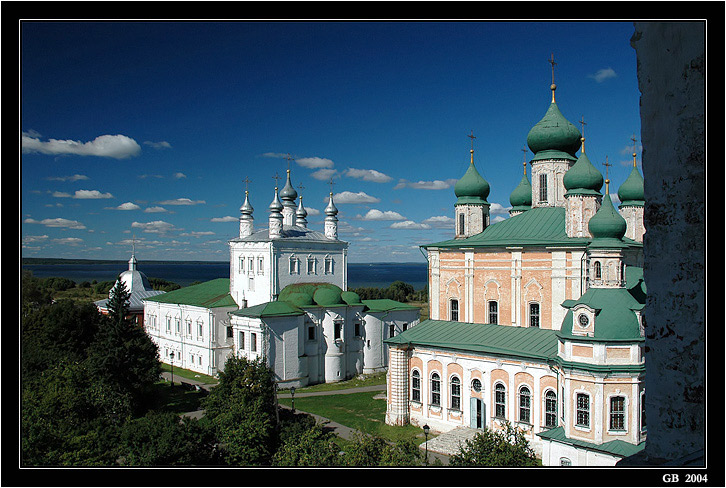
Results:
x,y
496,448
118,303
165,439
310,447
399,291
367,450
242,408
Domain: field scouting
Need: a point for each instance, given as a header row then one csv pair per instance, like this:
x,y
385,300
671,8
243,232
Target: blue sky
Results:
x,y
147,131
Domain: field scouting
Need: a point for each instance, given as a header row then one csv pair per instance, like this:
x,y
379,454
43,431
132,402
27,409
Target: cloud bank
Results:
x,y
109,146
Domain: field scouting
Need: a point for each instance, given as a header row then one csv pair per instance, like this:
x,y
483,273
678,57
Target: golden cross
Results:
x,y
607,168
247,182
583,124
472,137
331,185
288,161
276,177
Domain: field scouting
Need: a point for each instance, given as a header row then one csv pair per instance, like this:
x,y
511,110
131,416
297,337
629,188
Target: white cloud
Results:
x,y
425,185
179,176
143,177
227,218
154,210
181,201
440,222
71,241
603,74
61,194
324,174
368,175
67,178
315,162
197,234
350,197
158,145
91,195
409,225
374,214
273,155
29,239
155,227
498,218
125,206
59,222
497,209
111,146
312,211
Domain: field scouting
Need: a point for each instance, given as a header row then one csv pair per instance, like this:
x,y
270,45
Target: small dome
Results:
x,y
327,296
351,298
632,192
288,192
135,280
300,299
301,213
522,195
583,175
554,136
331,209
246,209
472,185
607,223
276,205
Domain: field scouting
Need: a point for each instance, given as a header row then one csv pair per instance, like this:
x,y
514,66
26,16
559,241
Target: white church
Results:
x,y
286,300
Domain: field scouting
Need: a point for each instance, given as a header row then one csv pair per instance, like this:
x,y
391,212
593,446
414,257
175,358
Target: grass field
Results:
x,y
358,411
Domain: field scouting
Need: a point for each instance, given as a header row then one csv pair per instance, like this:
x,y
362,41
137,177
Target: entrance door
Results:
x,y
478,413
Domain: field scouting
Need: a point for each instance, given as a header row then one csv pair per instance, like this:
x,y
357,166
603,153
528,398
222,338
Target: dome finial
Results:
x,y
607,175
524,158
472,137
553,87
635,164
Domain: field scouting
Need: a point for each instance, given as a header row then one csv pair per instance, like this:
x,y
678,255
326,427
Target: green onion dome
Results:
x,y
471,188
554,137
328,297
583,175
632,192
521,197
607,227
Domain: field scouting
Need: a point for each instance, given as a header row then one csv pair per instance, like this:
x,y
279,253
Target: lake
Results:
x,y
379,275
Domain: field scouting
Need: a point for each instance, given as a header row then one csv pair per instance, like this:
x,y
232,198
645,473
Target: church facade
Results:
x,y
535,320
286,301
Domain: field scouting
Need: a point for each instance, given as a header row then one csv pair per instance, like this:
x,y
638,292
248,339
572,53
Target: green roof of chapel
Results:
x,y
210,294
521,196
615,318
582,176
472,187
632,191
554,137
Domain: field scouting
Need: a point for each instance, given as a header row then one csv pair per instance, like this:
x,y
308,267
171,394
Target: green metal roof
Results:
x,y
607,226
538,226
615,319
554,137
499,340
583,175
269,309
386,305
472,187
632,192
617,447
211,294
521,196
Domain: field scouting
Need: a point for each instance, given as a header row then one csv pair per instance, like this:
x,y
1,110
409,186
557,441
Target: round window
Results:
x,y
476,385
584,320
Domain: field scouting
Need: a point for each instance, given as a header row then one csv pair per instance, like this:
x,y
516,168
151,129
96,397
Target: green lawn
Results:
x,y
180,373
357,411
368,380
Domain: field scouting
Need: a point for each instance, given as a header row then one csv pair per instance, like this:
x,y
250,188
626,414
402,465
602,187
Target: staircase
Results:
x,y
448,443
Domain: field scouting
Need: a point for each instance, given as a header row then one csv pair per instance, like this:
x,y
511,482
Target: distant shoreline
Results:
x,y
51,261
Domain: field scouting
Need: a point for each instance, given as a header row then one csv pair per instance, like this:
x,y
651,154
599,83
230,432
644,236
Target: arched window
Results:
x,y
597,270
500,401
454,310
534,314
565,462
525,405
622,271
294,265
550,409
476,385
617,413
493,312
461,224
435,390
416,386
455,393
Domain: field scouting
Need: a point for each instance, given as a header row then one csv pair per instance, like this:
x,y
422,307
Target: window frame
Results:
x,y
537,316
495,313
550,401
455,393
454,314
616,417
500,390
416,386
543,187
524,405
582,412
435,396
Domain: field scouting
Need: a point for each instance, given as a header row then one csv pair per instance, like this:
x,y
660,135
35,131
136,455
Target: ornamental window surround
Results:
x,y
260,265
294,265
476,385
251,266
328,265
525,405
582,408
500,401
534,314
617,413
253,342
312,265
542,188
597,270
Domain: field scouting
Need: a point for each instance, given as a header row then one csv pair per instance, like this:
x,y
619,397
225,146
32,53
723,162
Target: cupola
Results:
x,y
607,226
583,177
632,191
521,196
554,137
471,188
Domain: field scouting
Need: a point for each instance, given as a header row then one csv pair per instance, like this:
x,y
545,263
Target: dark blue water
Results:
x,y
379,275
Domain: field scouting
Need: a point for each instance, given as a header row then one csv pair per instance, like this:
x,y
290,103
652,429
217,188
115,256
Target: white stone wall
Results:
x,y
580,209
555,171
634,218
671,70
